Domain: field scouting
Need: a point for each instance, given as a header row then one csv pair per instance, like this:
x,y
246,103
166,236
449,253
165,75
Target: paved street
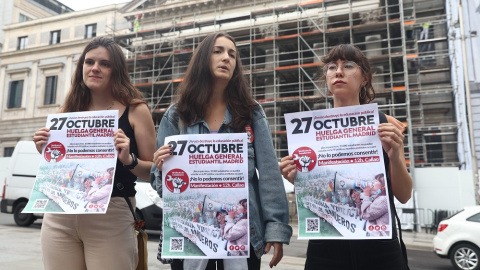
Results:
x,y
20,250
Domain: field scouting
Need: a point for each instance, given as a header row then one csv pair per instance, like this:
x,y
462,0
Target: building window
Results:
x,y
22,43
50,90
434,147
54,37
90,30
15,94
8,151
23,18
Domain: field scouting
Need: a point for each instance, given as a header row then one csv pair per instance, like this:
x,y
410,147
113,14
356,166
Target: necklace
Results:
x,y
109,107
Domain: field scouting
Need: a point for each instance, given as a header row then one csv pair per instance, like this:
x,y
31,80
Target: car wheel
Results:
x,y
465,257
22,219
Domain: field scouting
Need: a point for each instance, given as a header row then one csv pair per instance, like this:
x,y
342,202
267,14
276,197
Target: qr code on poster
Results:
x,y
176,244
40,204
312,225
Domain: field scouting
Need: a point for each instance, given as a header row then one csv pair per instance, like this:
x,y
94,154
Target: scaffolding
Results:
x,y
280,43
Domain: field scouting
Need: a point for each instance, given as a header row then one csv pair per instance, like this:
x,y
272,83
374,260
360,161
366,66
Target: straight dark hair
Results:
x,y
79,97
195,90
348,52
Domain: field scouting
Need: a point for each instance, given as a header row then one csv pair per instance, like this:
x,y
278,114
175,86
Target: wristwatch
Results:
x,y
133,164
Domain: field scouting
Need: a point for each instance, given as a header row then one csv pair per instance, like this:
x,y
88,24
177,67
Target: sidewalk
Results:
x,y
418,240
413,240
294,254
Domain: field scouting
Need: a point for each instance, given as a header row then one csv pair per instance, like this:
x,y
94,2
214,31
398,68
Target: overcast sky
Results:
x,y
87,4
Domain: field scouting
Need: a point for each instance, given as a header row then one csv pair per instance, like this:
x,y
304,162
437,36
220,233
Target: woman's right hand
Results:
x,y
161,154
367,191
40,138
231,214
288,168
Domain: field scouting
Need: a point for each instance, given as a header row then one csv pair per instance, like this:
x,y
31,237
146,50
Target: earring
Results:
x,y
364,92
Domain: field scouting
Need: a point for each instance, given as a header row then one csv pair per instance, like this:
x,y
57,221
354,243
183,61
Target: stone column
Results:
x,y
33,100
4,95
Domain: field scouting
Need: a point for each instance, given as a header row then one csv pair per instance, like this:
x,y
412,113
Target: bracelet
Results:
x,y
133,164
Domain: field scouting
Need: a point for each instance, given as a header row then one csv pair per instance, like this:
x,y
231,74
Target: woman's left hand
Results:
x,y
392,139
122,144
277,252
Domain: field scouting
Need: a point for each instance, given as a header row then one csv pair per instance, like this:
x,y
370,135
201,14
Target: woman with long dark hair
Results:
x,y
214,97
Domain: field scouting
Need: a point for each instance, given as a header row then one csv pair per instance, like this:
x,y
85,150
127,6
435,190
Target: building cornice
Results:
x,y
42,49
191,5
61,17
18,70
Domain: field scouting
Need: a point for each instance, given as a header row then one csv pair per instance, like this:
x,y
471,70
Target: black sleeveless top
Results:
x,y
123,175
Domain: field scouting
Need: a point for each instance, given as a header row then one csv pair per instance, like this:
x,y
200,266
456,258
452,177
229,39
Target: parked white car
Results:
x,y
458,238
149,205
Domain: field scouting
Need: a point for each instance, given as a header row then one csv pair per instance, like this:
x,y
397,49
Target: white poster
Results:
x,y
340,185
205,186
76,172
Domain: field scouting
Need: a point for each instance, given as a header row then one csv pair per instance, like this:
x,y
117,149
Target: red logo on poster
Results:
x,y
305,159
250,136
176,181
54,152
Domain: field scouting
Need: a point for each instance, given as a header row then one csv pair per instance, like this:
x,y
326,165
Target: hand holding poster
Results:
x,y
76,172
340,184
205,194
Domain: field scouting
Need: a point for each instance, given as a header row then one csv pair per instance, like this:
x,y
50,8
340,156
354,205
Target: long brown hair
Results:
x,y
348,52
79,97
195,90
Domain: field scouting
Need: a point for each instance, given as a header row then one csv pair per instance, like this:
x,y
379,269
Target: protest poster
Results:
x,y
340,184
78,164
204,182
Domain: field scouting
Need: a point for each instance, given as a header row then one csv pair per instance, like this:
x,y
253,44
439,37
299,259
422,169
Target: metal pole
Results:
x,y
411,150
469,105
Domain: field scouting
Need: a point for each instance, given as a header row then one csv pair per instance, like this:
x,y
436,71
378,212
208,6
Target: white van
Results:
x,y
21,172
3,170
20,178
